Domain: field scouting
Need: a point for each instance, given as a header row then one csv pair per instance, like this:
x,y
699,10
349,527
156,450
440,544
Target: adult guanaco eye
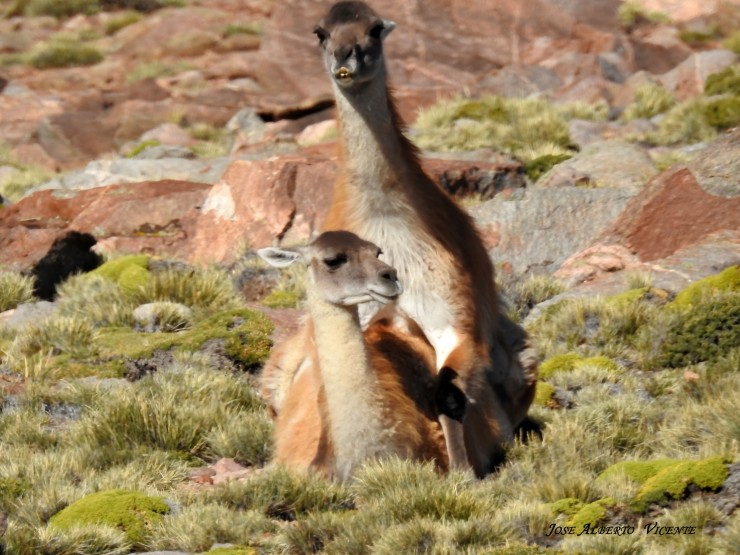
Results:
x,y
335,262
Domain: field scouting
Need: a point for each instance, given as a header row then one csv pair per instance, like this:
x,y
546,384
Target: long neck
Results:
x,y
351,386
377,156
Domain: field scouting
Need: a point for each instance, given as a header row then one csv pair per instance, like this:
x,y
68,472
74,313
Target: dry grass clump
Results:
x,y
534,289
509,125
650,100
633,13
15,289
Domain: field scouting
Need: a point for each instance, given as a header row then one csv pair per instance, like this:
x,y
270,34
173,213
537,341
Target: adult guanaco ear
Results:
x,y
320,32
279,258
382,29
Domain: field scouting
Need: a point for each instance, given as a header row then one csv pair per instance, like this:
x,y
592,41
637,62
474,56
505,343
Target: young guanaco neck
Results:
x,y
350,384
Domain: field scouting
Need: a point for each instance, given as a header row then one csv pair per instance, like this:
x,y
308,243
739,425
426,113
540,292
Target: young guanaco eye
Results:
x,y
335,262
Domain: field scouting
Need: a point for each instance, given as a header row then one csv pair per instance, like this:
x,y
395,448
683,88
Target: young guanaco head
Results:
x,y
342,268
351,36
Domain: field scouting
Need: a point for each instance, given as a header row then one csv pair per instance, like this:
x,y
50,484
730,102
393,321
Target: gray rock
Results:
x,y
539,228
25,314
101,173
616,164
160,152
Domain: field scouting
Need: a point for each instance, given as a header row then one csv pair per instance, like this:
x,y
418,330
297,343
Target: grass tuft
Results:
x,y
15,289
64,54
650,100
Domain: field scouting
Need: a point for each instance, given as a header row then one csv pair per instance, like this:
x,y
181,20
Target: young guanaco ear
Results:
x,y
280,258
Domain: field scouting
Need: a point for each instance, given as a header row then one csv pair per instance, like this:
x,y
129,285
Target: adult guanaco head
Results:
x,y
351,36
342,268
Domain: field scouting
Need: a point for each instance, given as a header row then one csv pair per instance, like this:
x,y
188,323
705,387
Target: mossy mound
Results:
x,y
542,164
129,511
233,550
544,394
282,299
726,81
245,333
722,112
571,361
130,272
666,479
704,334
728,280
582,514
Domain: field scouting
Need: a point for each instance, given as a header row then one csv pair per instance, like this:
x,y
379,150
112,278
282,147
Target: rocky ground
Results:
x,y
201,130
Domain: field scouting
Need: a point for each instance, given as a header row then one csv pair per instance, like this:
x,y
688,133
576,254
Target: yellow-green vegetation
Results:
x,y
129,511
512,125
733,42
65,439
252,28
142,146
571,361
15,289
60,9
129,272
632,13
213,141
726,81
26,176
531,291
290,290
665,479
155,69
543,394
64,53
582,515
727,281
650,100
232,551
121,20
698,37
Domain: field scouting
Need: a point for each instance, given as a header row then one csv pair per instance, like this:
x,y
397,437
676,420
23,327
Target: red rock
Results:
x,y
658,49
73,138
672,212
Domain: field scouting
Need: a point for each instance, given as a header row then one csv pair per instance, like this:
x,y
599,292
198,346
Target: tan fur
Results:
x,y
383,195
355,394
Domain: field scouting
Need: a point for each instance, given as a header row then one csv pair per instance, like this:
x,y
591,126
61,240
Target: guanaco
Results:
x,y
383,195
369,393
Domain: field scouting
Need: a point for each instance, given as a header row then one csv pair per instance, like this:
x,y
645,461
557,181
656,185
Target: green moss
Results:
x,y
543,164
242,29
590,514
282,299
733,43
728,280
722,112
130,272
571,361
726,81
235,550
65,54
59,9
666,479
12,488
633,13
704,334
699,37
142,146
543,394
129,511
246,334
568,506
113,25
